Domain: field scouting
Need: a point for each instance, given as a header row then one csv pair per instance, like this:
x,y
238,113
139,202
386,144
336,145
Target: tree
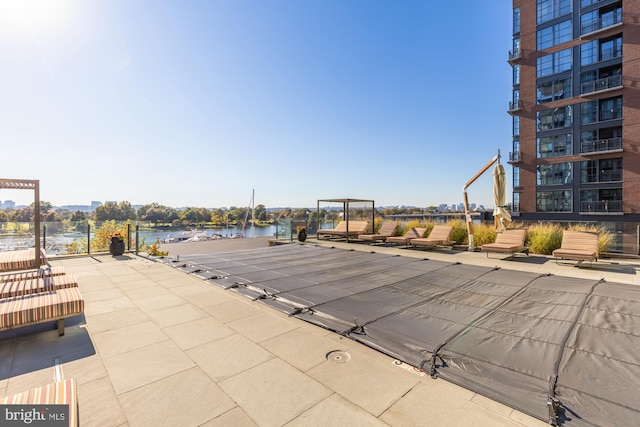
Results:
x,y
78,216
115,211
260,213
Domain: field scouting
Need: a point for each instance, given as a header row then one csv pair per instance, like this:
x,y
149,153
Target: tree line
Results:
x,y
157,214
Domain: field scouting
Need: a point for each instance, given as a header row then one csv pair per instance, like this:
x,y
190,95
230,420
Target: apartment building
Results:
x,y
576,114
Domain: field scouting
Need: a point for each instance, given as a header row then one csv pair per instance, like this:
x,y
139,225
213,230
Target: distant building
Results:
x,y
7,204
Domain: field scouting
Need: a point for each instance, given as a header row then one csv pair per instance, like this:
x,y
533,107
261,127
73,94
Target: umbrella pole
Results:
x,y
467,215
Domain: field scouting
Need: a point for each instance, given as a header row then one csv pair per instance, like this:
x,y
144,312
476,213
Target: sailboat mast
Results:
x,y
253,207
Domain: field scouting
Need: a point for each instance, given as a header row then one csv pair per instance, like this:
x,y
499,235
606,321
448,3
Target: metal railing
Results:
x,y
515,105
514,54
515,157
602,23
601,84
614,114
599,145
603,206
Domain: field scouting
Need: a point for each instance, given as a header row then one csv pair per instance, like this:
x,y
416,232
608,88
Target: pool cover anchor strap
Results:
x,y
299,310
433,361
266,295
357,329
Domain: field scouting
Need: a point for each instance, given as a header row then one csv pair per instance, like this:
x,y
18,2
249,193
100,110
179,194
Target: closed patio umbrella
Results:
x,y
500,214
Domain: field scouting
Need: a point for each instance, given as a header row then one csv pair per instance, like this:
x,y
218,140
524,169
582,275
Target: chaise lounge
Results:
x,y
345,229
387,229
36,285
57,393
412,233
21,259
511,241
578,245
440,236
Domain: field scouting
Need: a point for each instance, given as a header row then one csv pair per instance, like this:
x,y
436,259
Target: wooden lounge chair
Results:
x,y
387,229
511,241
440,236
578,245
411,233
355,228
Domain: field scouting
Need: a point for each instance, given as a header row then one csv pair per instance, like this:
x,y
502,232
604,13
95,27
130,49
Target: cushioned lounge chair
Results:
x,y
21,259
511,241
578,245
411,233
440,236
355,228
387,229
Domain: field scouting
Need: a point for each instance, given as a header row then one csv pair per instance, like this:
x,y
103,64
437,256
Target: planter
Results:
x,y
302,235
116,247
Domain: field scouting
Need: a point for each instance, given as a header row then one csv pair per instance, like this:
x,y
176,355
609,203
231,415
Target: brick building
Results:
x,y
576,114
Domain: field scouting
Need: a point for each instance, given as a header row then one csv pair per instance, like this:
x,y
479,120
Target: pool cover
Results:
x,y
561,349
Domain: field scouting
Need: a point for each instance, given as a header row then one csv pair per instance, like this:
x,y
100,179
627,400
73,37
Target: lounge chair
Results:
x,y
57,393
37,285
355,228
411,233
21,259
387,229
578,245
511,241
440,236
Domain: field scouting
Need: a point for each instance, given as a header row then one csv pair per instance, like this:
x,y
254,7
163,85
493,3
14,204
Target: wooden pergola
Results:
x,y
28,184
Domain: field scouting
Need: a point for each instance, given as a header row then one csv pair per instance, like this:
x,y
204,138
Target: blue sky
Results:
x,y
197,103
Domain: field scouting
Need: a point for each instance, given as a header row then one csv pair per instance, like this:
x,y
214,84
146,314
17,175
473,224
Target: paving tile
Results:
x,y
98,405
336,411
197,332
145,365
27,381
159,302
440,409
175,315
262,326
121,340
140,293
300,348
274,392
116,319
101,294
233,418
187,398
85,369
208,297
93,308
232,310
228,356
368,383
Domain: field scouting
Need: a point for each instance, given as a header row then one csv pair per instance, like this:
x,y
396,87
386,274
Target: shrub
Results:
x,y
544,238
483,234
459,233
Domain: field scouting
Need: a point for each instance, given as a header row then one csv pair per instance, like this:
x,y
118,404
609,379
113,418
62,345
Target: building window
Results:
x,y
516,202
553,90
554,118
554,201
554,146
516,126
599,19
603,170
516,177
553,63
554,174
516,20
601,110
603,139
600,50
554,35
547,10
516,74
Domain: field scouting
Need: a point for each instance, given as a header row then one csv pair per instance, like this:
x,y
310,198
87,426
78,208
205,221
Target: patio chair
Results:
x,y
578,245
511,241
387,229
355,228
412,233
440,236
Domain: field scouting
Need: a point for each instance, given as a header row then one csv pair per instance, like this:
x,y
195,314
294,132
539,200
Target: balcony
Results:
x,y
604,206
514,55
613,114
514,157
603,23
601,146
606,84
514,106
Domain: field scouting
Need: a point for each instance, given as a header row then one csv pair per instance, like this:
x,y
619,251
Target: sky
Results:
x,y
200,103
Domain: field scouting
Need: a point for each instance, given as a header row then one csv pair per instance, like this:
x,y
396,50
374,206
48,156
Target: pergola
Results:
x,y
28,184
345,209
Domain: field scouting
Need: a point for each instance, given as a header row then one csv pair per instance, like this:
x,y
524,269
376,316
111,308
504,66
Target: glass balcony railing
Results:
x,y
600,145
602,23
604,206
514,54
606,83
515,157
515,105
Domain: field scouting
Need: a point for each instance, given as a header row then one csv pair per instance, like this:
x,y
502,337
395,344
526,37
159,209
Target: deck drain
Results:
x,y
338,356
